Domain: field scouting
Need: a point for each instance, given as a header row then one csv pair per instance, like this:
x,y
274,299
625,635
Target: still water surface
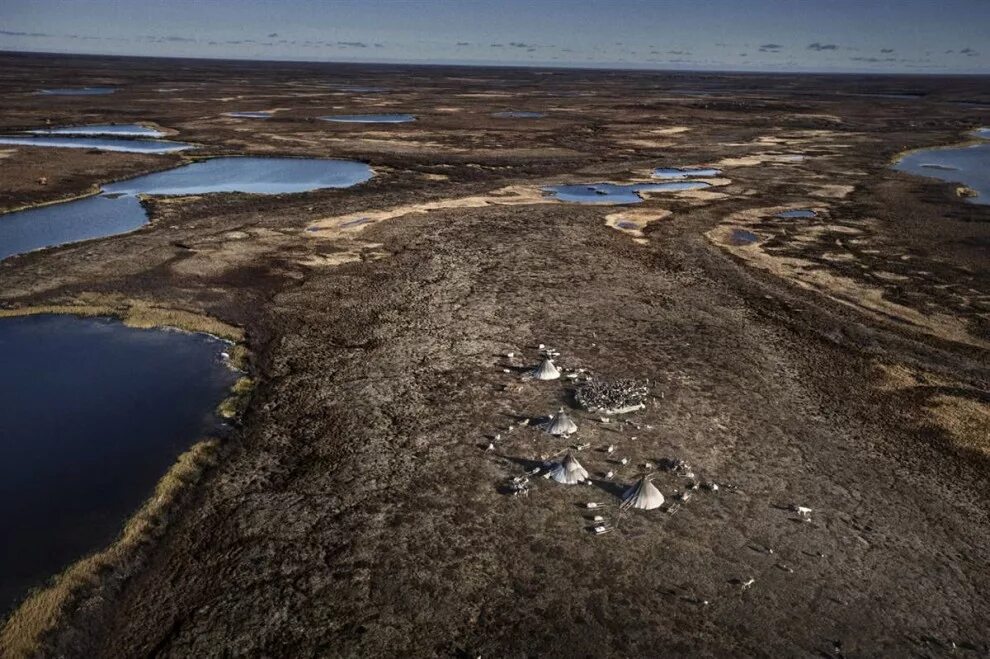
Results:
x,y
92,415
118,210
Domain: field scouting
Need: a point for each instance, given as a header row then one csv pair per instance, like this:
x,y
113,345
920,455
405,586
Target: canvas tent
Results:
x,y
544,371
643,495
569,471
560,424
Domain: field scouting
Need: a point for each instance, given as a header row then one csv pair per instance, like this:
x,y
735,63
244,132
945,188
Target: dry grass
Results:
x,y
44,609
134,313
859,294
235,404
967,421
92,191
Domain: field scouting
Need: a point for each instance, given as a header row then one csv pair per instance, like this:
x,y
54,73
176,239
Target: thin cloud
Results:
x,y
352,44
873,60
463,43
822,46
13,33
969,52
166,39
770,48
886,51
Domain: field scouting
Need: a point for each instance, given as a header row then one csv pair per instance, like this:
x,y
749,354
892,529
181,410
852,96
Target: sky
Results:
x,y
891,36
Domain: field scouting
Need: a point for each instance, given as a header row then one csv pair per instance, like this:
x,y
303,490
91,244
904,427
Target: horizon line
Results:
x,y
485,64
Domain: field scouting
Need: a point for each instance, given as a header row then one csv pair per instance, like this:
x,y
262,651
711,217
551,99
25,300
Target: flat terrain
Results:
x,y
838,362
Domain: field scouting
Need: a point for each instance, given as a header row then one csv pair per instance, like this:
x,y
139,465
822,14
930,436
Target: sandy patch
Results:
x,y
814,276
287,138
353,223
760,159
351,252
833,191
702,195
671,130
646,144
632,222
390,146
890,276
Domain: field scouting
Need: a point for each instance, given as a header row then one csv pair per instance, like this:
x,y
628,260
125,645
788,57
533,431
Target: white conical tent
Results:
x,y
560,424
544,371
643,495
569,471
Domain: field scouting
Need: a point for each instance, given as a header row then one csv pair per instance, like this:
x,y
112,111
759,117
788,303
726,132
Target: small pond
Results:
x,y
512,114
121,144
743,237
611,193
797,213
249,115
685,172
966,165
369,118
118,130
95,413
117,209
77,91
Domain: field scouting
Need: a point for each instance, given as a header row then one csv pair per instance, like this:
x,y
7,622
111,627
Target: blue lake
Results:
x,y
118,130
611,193
117,210
68,222
512,114
253,175
77,91
102,143
685,172
966,165
369,118
94,413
